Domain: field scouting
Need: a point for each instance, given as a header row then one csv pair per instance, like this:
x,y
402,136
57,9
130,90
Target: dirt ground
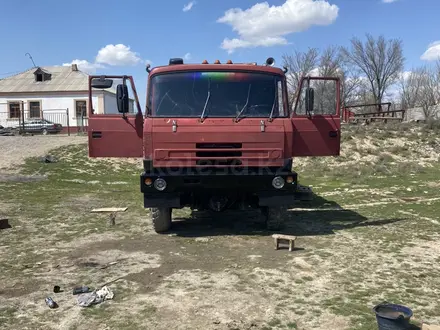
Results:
x,y
362,241
15,149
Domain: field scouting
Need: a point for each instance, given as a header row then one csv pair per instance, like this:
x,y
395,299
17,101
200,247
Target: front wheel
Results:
x,y
161,218
44,131
275,217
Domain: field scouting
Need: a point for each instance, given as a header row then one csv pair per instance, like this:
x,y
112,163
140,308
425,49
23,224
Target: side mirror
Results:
x,y
310,98
102,83
122,98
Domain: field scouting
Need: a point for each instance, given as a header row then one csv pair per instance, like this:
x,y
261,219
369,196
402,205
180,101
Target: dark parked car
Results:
x,y
7,131
39,126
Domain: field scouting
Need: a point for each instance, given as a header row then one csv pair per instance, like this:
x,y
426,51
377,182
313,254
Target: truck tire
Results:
x,y
275,217
161,219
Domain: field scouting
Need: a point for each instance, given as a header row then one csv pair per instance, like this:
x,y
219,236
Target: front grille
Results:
x,y
218,145
218,162
214,154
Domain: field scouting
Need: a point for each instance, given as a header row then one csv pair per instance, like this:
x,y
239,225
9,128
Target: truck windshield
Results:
x,y
216,94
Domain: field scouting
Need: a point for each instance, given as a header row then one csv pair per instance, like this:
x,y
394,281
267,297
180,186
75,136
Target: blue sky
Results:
x,y
118,37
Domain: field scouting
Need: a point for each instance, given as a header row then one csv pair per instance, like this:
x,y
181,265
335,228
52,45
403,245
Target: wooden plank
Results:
x,y
282,236
386,118
110,209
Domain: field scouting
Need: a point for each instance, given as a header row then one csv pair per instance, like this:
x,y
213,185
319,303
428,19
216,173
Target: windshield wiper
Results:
x,y
245,106
273,105
207,100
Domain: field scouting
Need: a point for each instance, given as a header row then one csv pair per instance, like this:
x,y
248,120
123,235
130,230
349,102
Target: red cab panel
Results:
x,y
316,121
111,134
316,136
115,136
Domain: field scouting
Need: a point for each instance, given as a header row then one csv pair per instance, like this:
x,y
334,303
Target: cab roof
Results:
x,y
176,65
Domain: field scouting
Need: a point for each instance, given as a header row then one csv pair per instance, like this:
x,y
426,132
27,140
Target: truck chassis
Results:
x,y
219,189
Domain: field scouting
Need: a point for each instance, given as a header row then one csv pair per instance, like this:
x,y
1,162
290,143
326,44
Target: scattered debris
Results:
x,y
48,159
202,239
112,219
57,289
109,264
110,209
95,297
80,290
4,224
289,238
51,303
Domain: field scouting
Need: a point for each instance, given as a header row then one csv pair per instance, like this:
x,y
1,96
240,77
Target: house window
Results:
x,y
14,110
35,109
39,77
81,109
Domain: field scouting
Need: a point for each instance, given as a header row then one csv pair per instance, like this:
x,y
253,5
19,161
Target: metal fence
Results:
x,y
17,116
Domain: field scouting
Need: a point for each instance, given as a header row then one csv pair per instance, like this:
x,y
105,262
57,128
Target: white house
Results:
x,y
56,93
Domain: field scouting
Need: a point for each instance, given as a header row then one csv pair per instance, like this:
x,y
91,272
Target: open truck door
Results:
x,y
315,119
115,127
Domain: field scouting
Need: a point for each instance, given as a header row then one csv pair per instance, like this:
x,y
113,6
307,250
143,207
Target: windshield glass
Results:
x,y
216,94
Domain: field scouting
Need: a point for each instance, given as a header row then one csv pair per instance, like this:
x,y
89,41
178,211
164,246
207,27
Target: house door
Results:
x,y
81,115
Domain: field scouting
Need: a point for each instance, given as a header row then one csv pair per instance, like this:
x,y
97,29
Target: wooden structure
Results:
x,y
350,116
281,237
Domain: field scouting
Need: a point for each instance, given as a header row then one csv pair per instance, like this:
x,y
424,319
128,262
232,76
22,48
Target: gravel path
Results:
x,y
15,149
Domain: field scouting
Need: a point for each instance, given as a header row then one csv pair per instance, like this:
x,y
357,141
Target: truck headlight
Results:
x,y
278,182
160,184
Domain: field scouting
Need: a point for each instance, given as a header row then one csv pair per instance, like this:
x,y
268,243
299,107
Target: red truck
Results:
x,y
218,136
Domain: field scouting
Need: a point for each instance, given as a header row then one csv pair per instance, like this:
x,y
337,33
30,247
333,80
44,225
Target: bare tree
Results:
x,y
430,92
411,87
330,62
299,64
379,60
421,88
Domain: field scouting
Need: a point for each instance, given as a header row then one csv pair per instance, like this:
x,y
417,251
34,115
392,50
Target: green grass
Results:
x,y
355,258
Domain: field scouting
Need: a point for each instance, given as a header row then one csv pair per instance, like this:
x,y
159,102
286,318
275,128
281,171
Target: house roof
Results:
x,y
63,78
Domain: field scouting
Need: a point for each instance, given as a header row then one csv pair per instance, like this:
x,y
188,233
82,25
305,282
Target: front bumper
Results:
x,y
250,182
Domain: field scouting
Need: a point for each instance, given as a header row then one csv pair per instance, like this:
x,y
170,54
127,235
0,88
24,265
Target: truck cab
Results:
x,y
218,136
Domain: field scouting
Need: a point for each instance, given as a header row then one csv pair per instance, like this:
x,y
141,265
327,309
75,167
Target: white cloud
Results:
x,y
189,6
187,56
262,25
405,75
432,53
85,66
389,1
119,54
231,44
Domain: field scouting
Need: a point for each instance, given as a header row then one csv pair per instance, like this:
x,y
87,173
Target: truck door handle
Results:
x,y
96,135
333,134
